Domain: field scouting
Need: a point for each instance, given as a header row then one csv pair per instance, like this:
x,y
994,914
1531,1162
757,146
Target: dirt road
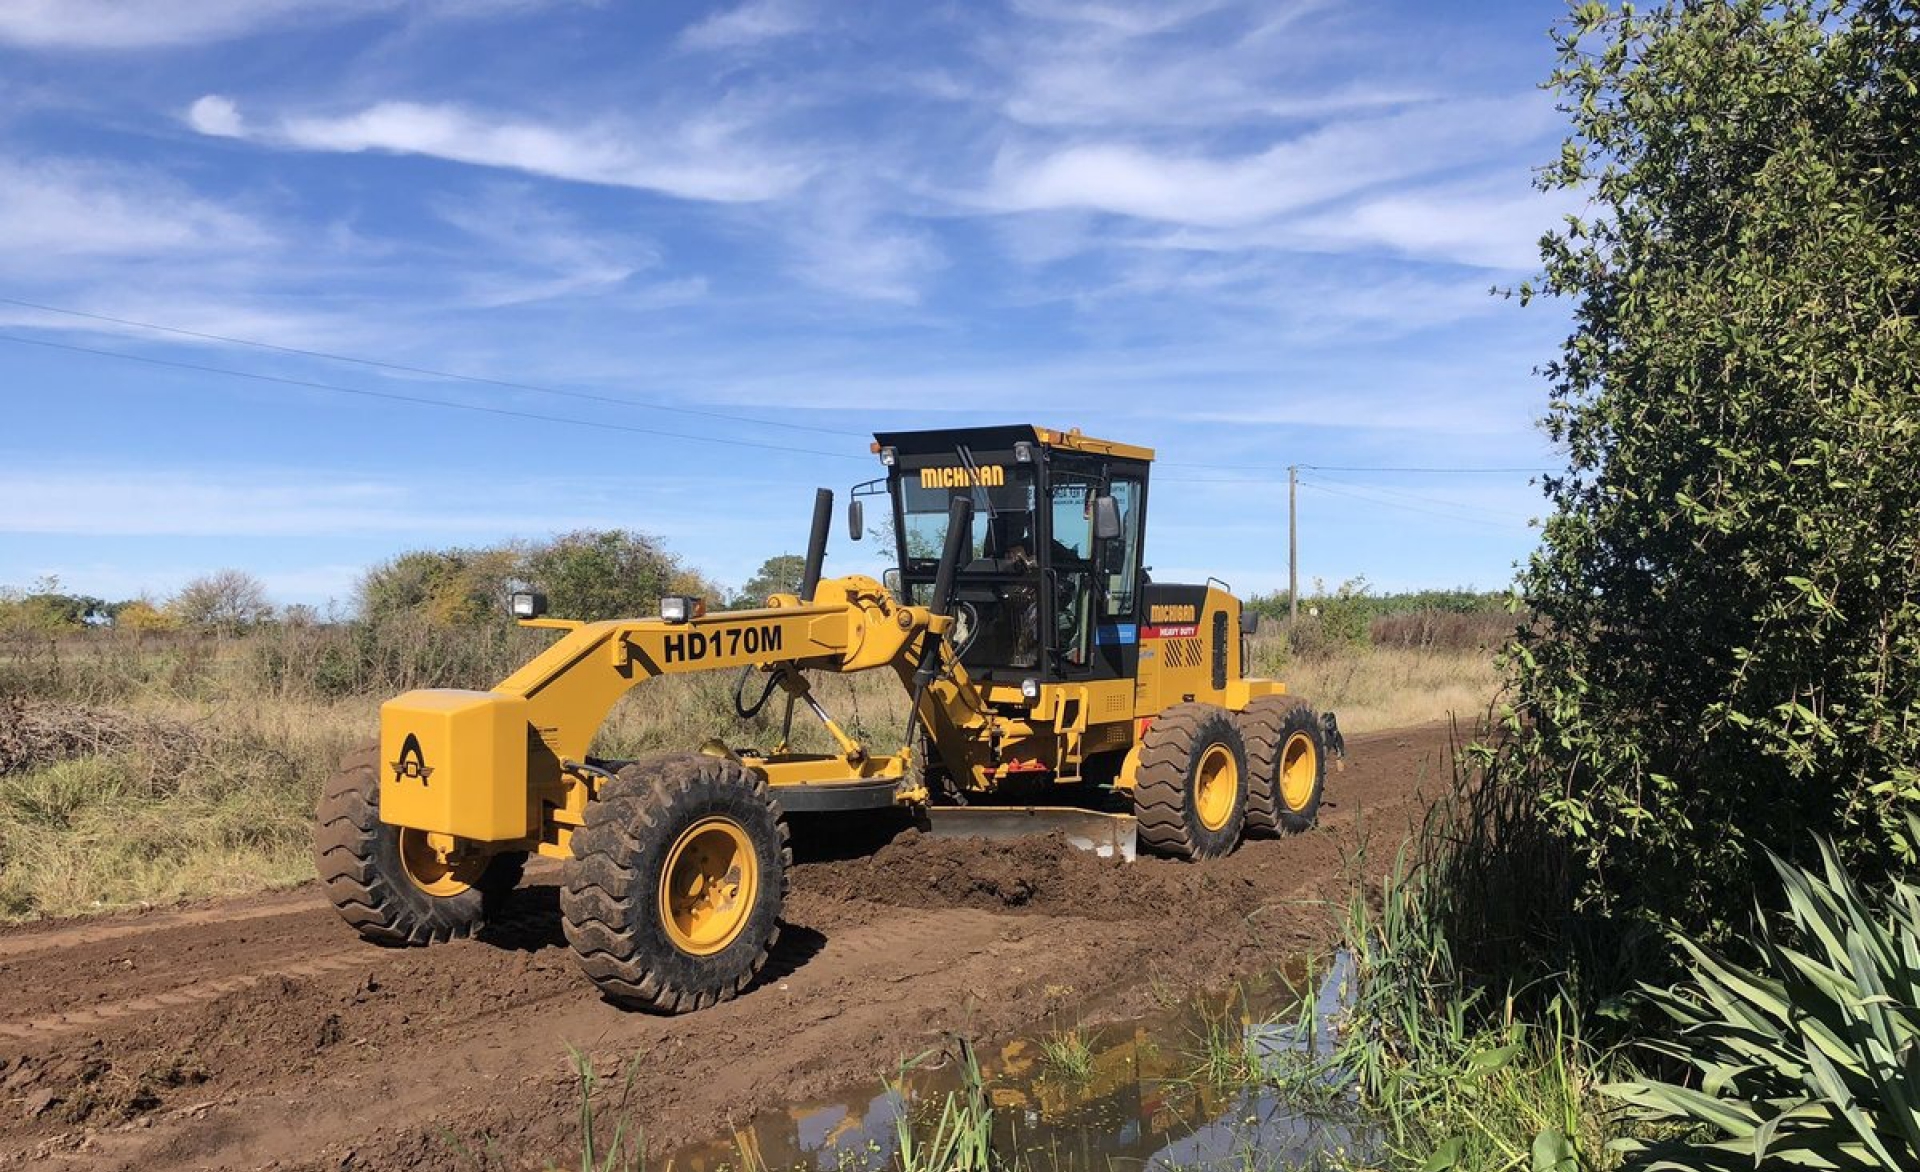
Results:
x,y
262,1033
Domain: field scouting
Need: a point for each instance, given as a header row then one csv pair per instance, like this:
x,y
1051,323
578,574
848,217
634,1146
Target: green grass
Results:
x,y
954,1133
1457,1070
1068,1054
624,1150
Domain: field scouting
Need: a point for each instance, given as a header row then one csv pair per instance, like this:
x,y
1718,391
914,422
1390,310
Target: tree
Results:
x,y
140,616
448,588
779,574
225,600
609,574
46,609
1725,649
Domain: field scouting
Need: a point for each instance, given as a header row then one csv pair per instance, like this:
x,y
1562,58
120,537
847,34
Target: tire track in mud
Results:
x,y
174,998
257,1033
20,942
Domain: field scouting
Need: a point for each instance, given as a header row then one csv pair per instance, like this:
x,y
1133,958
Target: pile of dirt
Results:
x,y
1042,873
1047,874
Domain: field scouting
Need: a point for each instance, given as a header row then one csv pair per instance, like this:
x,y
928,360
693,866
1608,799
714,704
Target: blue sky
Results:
x,y
1245,234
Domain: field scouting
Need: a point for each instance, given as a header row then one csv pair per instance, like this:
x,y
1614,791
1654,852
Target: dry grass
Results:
x,y
1392,687
136,773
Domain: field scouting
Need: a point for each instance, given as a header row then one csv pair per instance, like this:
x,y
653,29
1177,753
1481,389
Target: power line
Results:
x,y
1465,471
1278,470
1386,504
419,400
422,370
1419,498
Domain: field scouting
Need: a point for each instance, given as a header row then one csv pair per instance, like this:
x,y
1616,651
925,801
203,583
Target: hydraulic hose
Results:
x,y
740,706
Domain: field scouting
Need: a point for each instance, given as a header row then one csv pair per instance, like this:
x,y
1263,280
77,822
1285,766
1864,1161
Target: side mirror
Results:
x,y
856,519
1249,622
891,580
1106,519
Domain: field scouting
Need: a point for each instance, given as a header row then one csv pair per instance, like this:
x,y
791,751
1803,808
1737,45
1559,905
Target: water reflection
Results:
x,y
1235,1081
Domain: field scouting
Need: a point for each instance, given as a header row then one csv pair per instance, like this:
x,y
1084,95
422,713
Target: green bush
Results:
x,y
1724,652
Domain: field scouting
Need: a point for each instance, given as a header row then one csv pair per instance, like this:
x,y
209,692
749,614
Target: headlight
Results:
x,y
678,608
1030,690
528,604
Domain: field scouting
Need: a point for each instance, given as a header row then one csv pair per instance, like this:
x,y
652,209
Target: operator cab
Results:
x,y
1050,584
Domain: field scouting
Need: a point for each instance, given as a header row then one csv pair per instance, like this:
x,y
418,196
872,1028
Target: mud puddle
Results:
x,y
1237,1080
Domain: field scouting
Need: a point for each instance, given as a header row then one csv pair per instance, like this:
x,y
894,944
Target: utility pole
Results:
x,y
1293,544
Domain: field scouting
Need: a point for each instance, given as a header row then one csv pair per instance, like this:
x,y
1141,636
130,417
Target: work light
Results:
x,y
678,608
528,604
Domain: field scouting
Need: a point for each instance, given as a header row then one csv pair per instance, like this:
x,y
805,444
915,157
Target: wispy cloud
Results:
x,y
1145,67
1220,188
59,208
536,252
708,155
843,242
108,503
145,24
753,23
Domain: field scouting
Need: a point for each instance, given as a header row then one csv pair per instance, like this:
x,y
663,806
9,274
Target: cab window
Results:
x,y
1122,564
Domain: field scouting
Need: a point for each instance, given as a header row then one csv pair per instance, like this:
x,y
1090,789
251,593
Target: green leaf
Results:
x,y
1446,1156
1552,1152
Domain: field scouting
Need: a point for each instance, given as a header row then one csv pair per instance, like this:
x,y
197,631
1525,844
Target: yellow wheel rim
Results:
x,y
707,887
438,864
1299,762
1216,787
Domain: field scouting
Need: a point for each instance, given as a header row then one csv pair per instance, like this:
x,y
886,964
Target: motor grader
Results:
x,y
1044,670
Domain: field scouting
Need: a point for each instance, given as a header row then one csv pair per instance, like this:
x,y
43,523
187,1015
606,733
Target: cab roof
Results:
x,y
1003,438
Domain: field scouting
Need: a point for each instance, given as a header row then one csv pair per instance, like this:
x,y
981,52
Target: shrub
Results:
x,y
1725,647
225,600
1807,1060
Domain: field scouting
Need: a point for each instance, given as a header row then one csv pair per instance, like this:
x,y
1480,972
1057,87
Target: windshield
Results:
x,y
997,589
995,530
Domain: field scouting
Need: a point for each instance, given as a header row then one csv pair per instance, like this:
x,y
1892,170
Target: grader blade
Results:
x,y
1109,836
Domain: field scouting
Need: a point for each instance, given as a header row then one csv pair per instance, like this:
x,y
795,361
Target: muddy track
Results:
x,y
263,1033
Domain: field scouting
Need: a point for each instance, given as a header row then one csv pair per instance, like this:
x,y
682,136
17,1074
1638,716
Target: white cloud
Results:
x,y
216,116
748,24
108,503
142,24
1221,189
51,208
844,243
1118,17
703,157
533,253
1094,65
1477,225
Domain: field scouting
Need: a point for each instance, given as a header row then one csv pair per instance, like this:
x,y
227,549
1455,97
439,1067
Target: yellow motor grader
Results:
x,y
1045,672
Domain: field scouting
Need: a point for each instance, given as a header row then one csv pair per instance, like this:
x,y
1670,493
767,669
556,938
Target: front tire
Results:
x,y
1190,789
672,899
392,884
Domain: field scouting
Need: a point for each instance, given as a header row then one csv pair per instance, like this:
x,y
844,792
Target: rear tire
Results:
x,y
1287,752
672,899
1190,789
362,862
